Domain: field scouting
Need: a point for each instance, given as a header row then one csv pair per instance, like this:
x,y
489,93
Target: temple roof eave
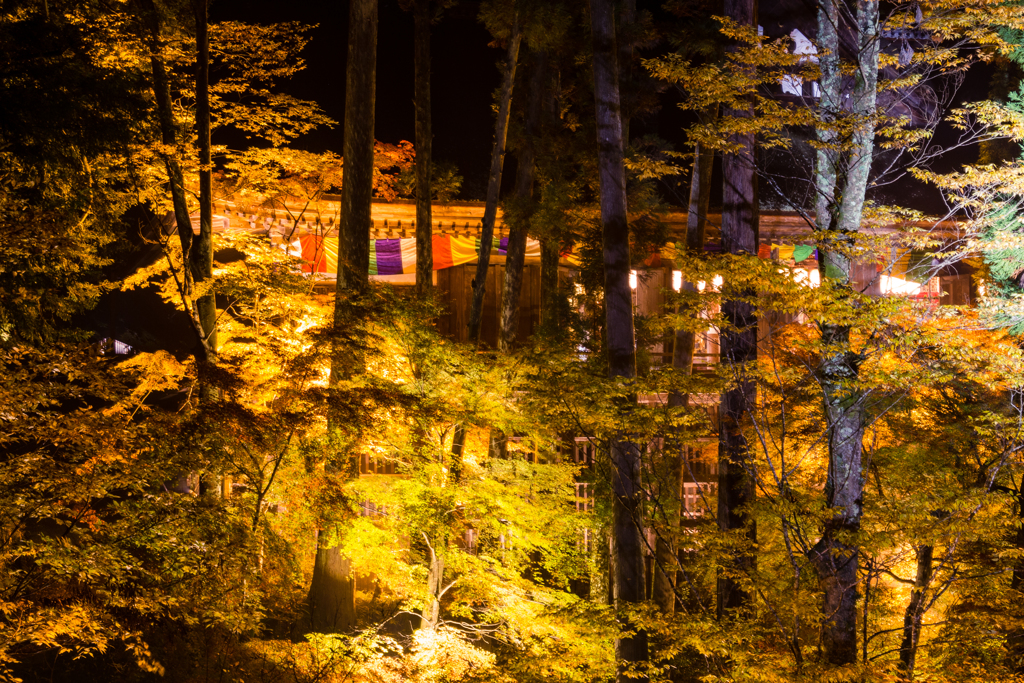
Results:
x,y
396,219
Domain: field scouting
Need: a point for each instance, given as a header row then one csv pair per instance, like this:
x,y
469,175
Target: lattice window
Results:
x,y
702,461
112,346
586,537
374,465
583,451
696,498
584,497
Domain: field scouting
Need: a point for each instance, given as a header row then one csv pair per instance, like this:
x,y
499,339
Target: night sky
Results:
x,y
464,69
465,75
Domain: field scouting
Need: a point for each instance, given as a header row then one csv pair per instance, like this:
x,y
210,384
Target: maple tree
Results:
x,y
355,423
65,170
238,68
853,119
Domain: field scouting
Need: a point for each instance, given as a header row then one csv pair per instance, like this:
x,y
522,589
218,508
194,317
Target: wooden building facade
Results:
x,y
454,287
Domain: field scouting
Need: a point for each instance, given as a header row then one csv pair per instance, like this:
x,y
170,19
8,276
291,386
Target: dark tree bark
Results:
x,y
332,591
424,139
914,615
696,227
458,444
550,303
175,177
524,207
168,133
357,184
624,41
201,253
187,483
628,571
666,551
842,169
494,183
739,342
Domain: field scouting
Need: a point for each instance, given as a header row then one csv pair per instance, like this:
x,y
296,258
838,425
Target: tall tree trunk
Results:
x,y
842,170
332,591
625,40
915,612
457,460
494,182
431,613
175,177
696,227
201,253
739,342
627,524
550,304
424,139
523,209
430,616
357,182
667,549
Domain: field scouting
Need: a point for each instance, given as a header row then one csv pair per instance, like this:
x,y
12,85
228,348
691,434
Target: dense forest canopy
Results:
x,y
730,404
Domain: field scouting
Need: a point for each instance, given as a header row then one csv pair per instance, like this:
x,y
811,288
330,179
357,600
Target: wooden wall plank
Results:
x,y
492,304
455,288
444,289
864,272
460,302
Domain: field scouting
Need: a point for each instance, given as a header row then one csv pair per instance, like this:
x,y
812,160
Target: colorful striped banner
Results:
x,y
785,252
317,254
398,256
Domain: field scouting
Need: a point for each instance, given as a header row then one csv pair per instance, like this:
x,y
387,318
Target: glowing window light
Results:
x,y
632,279
808,278
701,285
677,280
899,286
716,283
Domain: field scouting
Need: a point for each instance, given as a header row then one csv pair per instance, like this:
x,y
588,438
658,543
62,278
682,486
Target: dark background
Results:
x,y
466,74
464,69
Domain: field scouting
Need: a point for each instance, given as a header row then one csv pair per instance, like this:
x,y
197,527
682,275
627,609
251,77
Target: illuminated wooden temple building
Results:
x,y
456,233
312,236
784,237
